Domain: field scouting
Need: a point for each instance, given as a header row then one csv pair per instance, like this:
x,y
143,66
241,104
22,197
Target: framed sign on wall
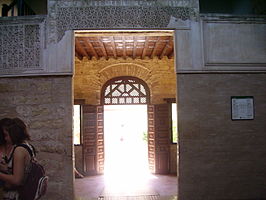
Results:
x,y
242,107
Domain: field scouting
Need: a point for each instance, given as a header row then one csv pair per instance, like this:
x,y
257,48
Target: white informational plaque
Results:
x,y
242,108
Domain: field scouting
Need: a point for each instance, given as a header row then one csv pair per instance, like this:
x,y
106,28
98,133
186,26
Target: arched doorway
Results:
x,y
125,91
125,102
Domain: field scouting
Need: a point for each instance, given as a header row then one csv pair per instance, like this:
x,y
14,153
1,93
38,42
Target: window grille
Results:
x,y
125,90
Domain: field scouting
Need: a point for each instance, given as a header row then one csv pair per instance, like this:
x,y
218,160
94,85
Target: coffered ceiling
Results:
x,y
124,44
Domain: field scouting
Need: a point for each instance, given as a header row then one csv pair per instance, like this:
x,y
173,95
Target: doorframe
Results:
x,y
176,74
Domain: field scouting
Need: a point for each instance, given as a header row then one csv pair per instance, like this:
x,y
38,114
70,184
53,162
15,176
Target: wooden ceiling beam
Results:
x,y
103,48
165,48
81,49
145,47
113,46
124,49
90,46
155,47
134,48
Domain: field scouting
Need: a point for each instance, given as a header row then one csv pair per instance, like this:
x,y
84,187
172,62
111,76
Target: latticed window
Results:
x,y
125,90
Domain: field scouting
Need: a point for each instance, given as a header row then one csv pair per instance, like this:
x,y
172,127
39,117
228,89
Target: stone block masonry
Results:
x,y
45,104
221,158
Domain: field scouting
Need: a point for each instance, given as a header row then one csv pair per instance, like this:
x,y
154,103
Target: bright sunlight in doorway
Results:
x,y
126,150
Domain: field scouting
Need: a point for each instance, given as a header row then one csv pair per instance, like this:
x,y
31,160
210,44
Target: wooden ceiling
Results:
x,y
124,44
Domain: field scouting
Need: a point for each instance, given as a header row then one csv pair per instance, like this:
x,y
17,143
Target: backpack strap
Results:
x,y
7,160
30,149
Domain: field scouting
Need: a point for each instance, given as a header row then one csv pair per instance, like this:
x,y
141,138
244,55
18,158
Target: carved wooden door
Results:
x,y
162,138
89,139
100,140
93,146
151,139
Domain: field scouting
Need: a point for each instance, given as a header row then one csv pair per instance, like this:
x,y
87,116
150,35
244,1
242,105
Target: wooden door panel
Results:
x,y
89,139
90,163
163,162
162,138
151,139
100,140
93,139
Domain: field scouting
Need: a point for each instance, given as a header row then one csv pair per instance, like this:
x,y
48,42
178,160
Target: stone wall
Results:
x,y
91,75
45,104
221,158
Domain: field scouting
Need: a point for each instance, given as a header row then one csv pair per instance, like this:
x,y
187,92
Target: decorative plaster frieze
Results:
x,y
108,14
76,18
149,3
21,43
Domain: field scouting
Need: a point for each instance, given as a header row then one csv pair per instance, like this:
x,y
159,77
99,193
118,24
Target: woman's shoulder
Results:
x,y
19,149
22,149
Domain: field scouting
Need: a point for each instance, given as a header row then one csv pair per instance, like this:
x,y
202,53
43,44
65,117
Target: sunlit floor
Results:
x,y
165,186
126,167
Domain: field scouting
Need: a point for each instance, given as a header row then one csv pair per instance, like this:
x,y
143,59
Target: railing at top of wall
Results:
x,y
22,8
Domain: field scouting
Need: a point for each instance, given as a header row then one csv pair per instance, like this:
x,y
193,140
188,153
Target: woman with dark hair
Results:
x,y
18,132
18,162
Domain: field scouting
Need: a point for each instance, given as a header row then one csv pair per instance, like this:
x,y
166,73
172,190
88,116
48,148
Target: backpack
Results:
x,y
35,185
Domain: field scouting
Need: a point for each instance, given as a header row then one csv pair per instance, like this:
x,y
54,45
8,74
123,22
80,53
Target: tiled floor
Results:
x,y
163,187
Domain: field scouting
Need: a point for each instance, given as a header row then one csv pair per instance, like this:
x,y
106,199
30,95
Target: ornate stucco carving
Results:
x,y
171,3
20,44
108,14
103,17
